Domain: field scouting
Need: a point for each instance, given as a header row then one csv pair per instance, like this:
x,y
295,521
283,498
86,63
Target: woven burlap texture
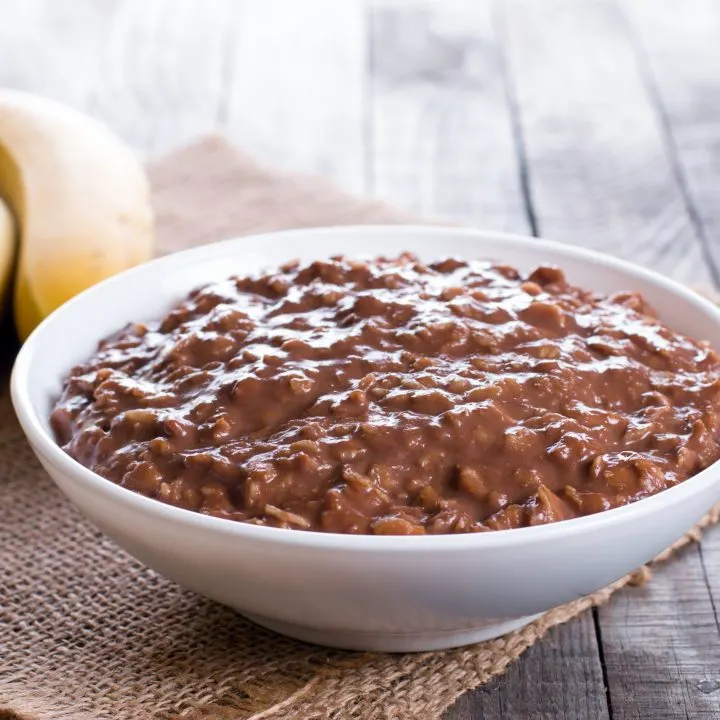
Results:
x,y
88,633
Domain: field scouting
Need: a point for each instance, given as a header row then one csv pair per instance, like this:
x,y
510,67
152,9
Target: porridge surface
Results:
x,y
396,397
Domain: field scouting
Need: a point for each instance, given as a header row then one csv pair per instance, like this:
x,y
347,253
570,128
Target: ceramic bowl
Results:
x,y
359,592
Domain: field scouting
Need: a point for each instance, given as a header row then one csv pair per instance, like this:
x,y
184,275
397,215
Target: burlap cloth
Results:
x,y
87,633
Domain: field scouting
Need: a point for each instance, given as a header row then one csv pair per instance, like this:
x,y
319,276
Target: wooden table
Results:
x,y
589,121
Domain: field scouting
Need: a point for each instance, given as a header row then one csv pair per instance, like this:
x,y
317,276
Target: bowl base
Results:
x,y
393,642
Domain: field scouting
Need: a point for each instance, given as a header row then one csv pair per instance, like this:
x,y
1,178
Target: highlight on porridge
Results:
x,y
396,397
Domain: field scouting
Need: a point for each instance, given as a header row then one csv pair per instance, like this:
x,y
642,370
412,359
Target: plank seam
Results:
x,y
706,579
227,68
656,102
603,665
498,23
368,97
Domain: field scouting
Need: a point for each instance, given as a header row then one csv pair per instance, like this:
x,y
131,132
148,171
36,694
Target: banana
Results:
x,y
7,252
80,198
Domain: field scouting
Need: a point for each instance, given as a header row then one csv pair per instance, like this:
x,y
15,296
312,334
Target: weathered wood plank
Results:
x,y
681,55
153,71
558,679
710,559
441,143
284,79
160,77
440,132
598,165
680,51
661,645
296,83
601,175
47,46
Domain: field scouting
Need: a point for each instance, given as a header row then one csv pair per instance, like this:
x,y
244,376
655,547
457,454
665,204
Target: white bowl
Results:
x,y
358,592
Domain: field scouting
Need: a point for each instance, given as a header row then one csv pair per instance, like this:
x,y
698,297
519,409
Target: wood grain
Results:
x,y
710,559
600,174
662,647
681,56
559,678
440,133
680,52
49,47
598,165
295,86
285,79
442,143
152,71
161,72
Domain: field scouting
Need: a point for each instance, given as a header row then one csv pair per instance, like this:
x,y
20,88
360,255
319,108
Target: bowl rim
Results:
x,y
45,446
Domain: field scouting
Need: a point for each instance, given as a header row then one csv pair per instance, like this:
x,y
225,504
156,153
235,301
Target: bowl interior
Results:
x,y
71,334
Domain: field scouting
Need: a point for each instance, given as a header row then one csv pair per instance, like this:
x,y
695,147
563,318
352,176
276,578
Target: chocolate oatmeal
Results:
x,y
396,397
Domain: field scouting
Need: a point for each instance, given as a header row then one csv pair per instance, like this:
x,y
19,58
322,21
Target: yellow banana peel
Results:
x,y
80,198
7,251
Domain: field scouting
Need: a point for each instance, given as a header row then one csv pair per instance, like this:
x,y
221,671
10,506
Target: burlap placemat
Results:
x,y
87,633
